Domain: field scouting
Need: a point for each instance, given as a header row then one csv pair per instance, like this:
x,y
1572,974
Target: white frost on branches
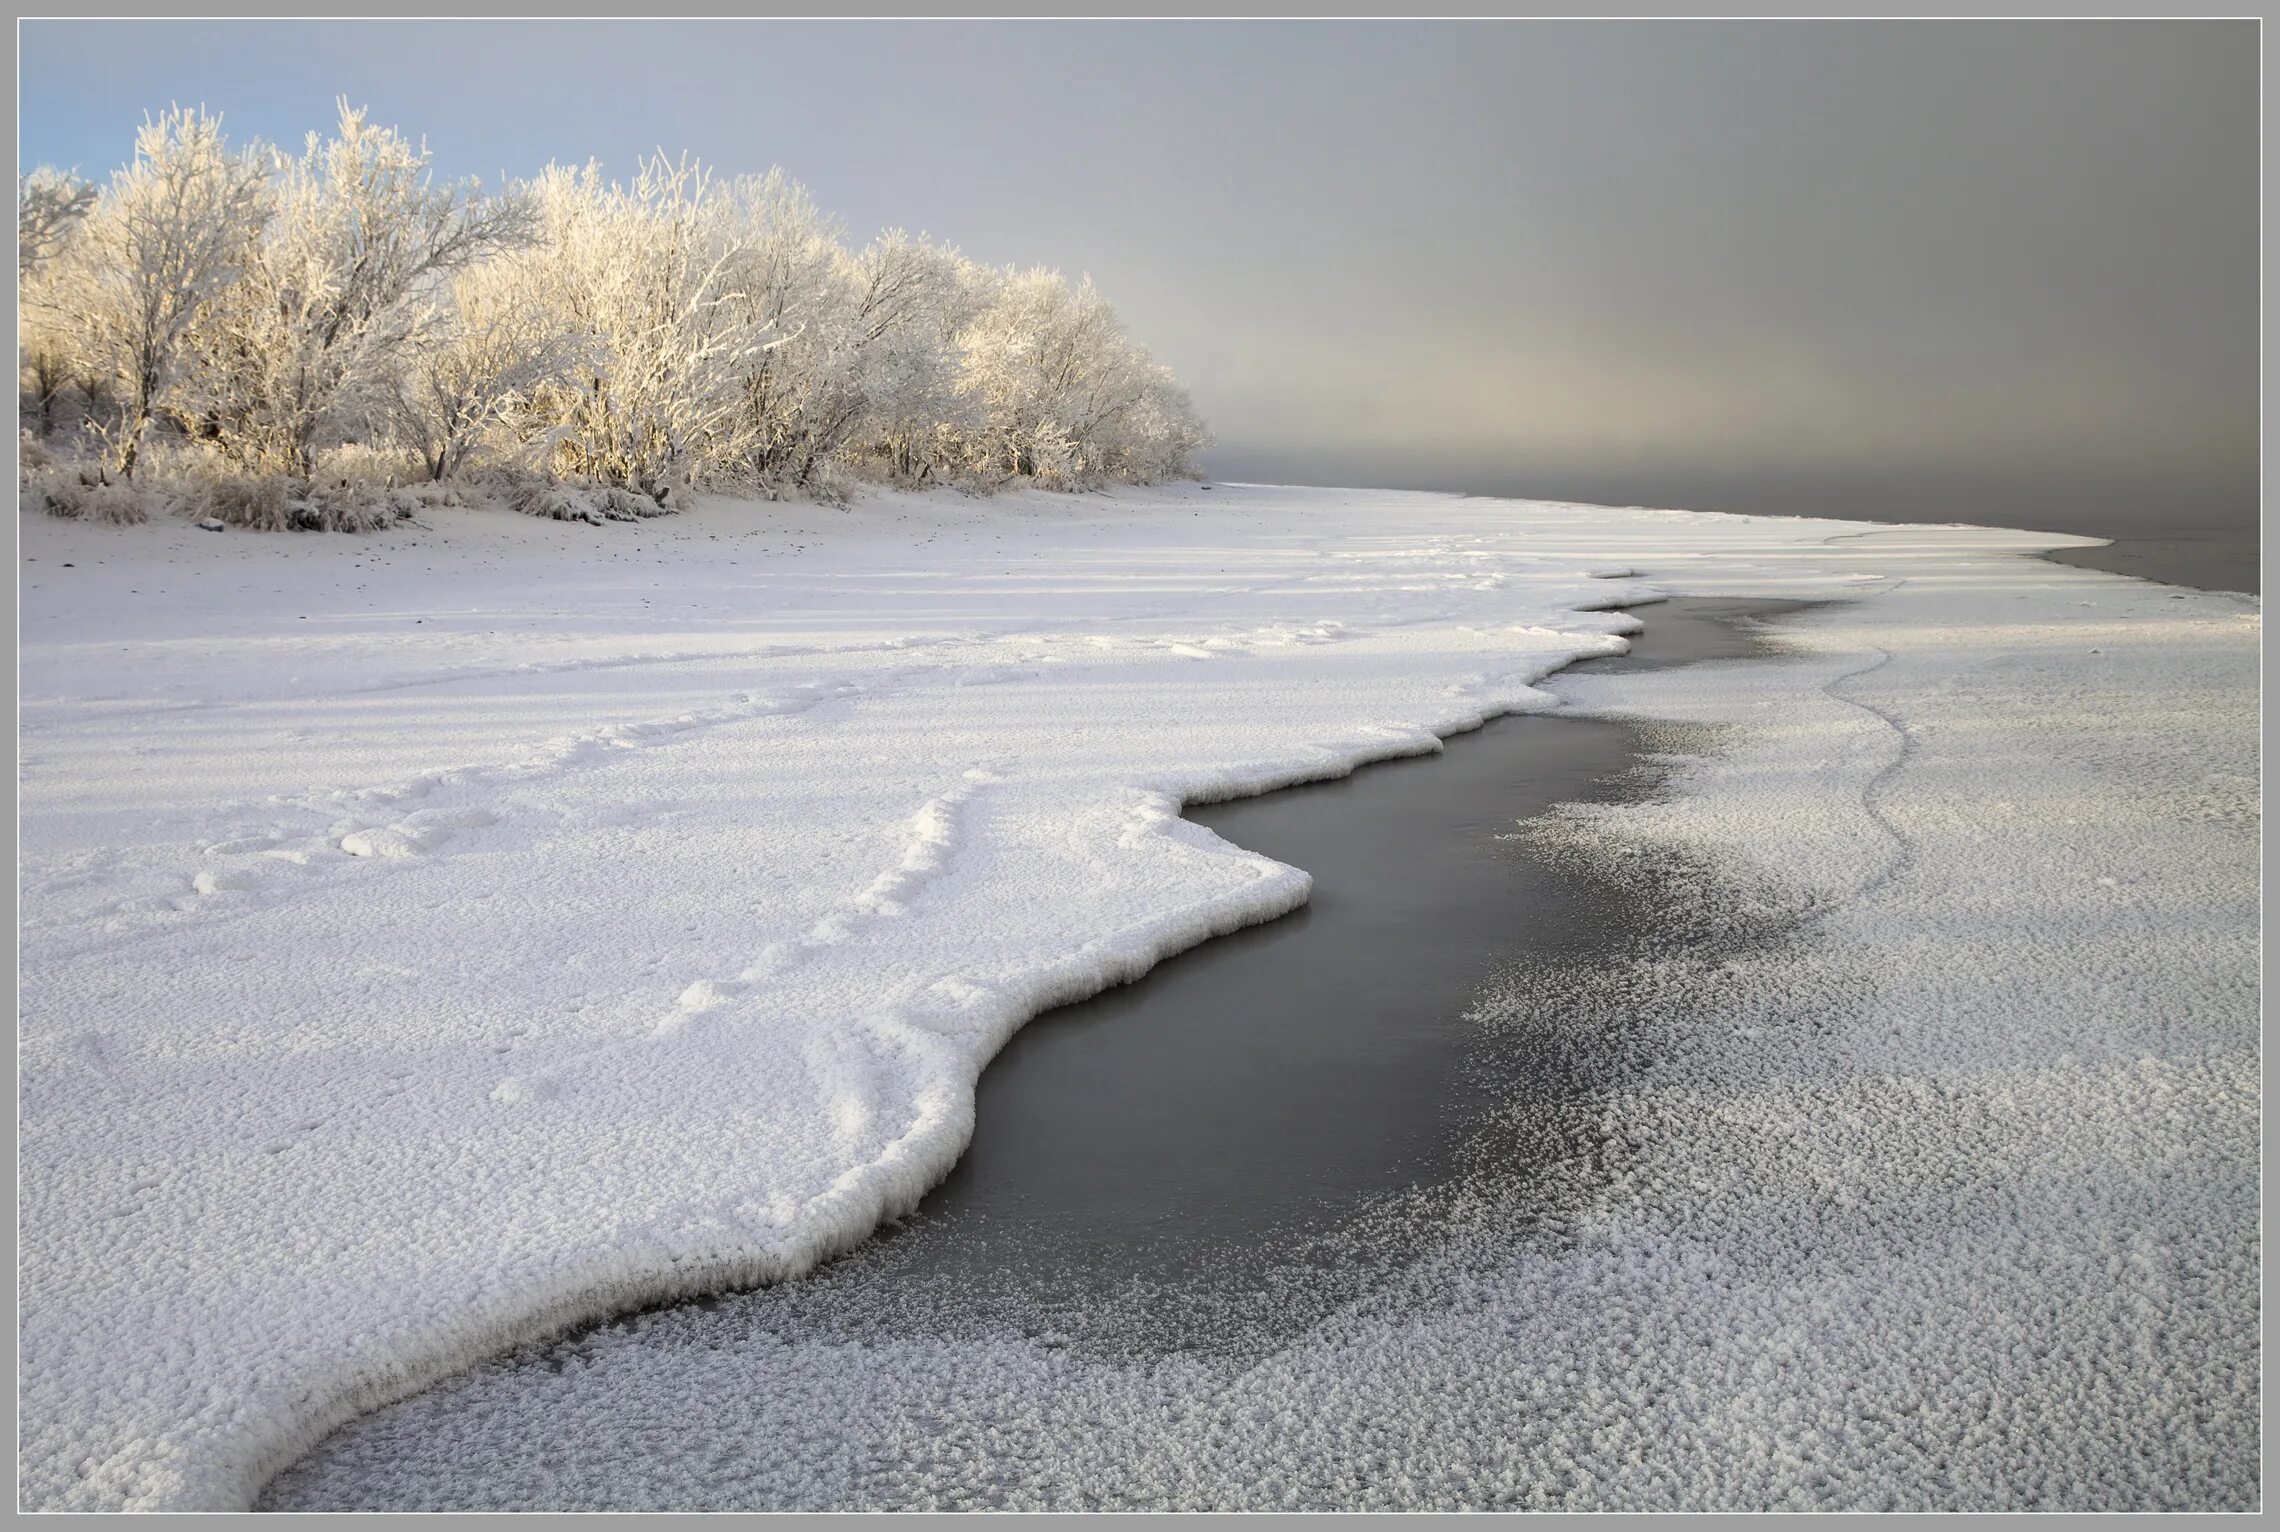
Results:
x,y
48,203
359,245
653,272
260,310
491,349
166,239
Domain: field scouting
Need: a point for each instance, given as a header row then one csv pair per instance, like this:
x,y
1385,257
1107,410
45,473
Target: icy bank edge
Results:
x,y
891,1186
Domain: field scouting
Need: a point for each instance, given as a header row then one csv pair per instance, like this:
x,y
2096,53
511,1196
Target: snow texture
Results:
x,y
433,942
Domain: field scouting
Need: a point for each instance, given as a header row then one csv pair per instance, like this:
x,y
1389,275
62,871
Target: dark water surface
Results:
x,y
2204,558
2203,537
2202,552
2204,532
1186,1163
1272,1079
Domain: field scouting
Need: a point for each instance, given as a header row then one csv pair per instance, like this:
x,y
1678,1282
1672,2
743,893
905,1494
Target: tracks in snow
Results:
x,y
248,854
271,849
931,839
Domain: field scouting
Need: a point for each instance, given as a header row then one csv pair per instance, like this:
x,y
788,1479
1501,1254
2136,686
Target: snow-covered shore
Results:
x,y
432,939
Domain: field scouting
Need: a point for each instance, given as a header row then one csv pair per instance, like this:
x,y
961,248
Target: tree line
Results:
x,y
241,322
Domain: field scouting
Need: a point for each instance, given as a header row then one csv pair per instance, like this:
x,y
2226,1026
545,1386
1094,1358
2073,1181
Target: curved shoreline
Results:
x,y
1713,629
326,1183
2117,556
906,1183
1849,1137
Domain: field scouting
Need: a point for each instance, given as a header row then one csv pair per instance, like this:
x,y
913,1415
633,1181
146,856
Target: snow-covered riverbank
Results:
x,y
433,938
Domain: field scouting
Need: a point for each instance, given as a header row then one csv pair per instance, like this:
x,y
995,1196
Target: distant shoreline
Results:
x,y
2207,555
2208,564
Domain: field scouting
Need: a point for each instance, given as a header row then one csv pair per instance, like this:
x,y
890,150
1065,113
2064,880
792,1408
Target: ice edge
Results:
x,y
892,1186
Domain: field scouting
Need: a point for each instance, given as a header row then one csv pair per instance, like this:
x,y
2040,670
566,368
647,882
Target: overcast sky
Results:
x,y
1955,270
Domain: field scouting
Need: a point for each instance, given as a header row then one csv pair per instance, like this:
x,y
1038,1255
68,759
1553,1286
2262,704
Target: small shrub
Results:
x,y
273,502
430,496
831,483
344,505
78,494
380,467
556,502
626,505
258,502
408,500
590,503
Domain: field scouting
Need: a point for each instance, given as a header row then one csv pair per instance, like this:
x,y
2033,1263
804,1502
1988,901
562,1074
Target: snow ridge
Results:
x,y
1872,793
931,841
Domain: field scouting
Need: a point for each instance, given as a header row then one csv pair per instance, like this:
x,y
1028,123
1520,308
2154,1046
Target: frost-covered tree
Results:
x,y
43,352
162,243
790,284
477,367
1158,436
1066,396
48,203
621,340
360,248
868,368
653,272
911,300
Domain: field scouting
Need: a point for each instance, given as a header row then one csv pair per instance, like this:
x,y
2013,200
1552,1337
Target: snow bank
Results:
x,y
431,941
1922,1169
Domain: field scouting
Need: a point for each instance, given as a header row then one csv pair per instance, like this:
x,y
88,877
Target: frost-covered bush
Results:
x,y
383,467
306,347
258,502
1066,397
592,349
411,499
554,502
83,494
161,246
591,503
341,505
278,502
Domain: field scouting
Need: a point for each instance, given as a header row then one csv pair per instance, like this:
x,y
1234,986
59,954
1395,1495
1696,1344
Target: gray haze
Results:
x,y
1978,271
